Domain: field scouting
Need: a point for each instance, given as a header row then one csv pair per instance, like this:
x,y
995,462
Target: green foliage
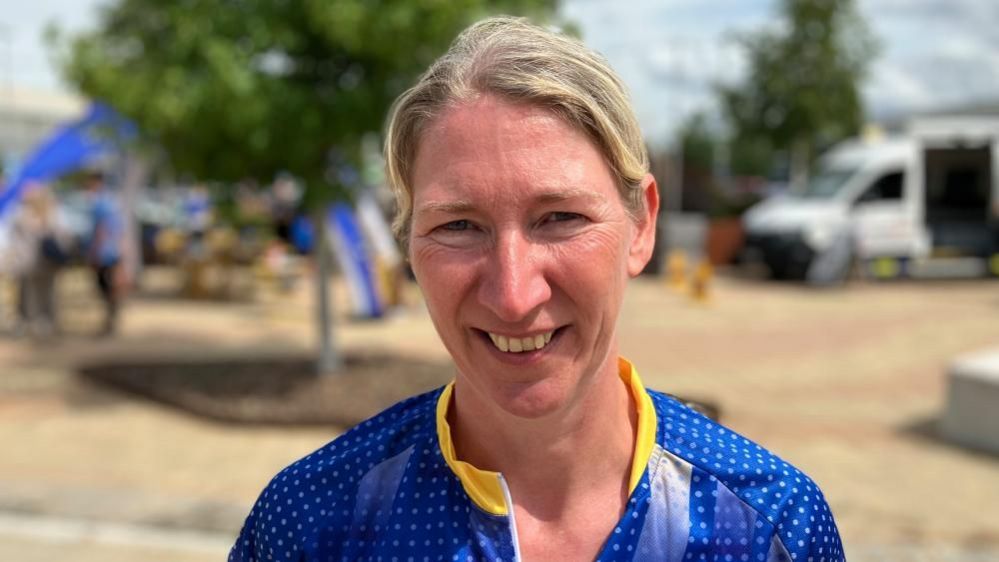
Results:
x,y
753,155
803,80
235,89
703,191
698,142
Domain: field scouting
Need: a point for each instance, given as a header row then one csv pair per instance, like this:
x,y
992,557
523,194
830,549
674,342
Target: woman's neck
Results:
x,y
548,461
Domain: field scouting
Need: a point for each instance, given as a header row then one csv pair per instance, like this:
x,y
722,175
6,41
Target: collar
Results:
x,y
484,486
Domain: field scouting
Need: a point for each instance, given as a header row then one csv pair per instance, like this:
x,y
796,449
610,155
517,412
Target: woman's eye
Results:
x,y
560,216
456,226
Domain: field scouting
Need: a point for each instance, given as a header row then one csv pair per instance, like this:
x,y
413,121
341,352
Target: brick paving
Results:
x,y
846,384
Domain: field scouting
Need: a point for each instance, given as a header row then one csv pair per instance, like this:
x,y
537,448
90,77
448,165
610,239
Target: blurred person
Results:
x,y
41,245
104,246
525,205
285,197
199,215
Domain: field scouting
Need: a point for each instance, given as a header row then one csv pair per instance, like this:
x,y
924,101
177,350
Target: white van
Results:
x,y
925,204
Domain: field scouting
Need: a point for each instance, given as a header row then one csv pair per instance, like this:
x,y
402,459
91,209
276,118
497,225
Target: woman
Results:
x,y
41,242
525,205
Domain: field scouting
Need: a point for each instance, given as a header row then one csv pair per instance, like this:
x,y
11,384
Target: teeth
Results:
x,y
518,345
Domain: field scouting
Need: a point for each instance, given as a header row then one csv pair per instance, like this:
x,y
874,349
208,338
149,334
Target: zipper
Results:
x,y
513,520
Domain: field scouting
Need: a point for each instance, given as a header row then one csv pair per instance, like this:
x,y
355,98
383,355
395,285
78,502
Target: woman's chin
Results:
x,y
532,401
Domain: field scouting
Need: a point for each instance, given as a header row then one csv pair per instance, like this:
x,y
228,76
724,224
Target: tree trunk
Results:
x,y
721,164
134,176
329,361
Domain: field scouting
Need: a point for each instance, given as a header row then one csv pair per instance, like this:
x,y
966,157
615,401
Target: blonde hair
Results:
x,y
521,62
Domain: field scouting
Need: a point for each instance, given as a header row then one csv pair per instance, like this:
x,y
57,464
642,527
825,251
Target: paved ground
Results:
x,y
846,384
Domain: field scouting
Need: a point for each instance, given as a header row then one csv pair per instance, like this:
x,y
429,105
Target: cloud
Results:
x,y
892,89
670,52
26,22
936,54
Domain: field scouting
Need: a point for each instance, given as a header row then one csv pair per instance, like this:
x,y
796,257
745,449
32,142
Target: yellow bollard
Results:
x,y
885,268
676,270
701,282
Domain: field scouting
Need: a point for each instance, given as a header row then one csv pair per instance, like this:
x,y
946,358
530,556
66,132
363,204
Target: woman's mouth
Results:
x,y
514,344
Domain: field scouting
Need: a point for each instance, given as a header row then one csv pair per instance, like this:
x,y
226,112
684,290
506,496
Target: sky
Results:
x,y
934,53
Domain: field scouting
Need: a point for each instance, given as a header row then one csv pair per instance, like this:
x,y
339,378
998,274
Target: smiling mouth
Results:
x,y
509,344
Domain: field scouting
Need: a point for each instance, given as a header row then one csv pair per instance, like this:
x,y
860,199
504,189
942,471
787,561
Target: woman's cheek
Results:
x,y
591,248
439,267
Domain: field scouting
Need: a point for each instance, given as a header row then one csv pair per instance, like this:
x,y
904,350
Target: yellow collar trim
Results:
x,y
484,486
645,438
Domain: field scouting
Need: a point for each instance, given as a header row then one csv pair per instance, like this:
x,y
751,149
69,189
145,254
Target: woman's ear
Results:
x,y
645,227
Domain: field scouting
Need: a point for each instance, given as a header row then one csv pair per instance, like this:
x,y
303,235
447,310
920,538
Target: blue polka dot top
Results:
x,y
390,490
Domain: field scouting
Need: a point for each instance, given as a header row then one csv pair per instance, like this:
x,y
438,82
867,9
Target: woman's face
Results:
x,y
522,247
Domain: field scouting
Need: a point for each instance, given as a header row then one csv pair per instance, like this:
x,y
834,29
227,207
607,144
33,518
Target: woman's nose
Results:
x,y
514,282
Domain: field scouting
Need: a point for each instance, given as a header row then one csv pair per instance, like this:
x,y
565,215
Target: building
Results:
x,y
28,116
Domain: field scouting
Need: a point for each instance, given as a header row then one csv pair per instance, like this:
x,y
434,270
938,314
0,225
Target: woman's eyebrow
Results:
x,y
461,206
447,207
560,195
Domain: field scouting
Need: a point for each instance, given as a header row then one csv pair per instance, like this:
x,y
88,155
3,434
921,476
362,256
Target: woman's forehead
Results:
x,y
489,122
489,141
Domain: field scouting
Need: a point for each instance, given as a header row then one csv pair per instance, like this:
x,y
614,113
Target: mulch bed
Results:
x,y
283,390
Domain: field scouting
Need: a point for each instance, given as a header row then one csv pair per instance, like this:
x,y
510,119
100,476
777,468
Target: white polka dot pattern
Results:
x,y
382,492
745,504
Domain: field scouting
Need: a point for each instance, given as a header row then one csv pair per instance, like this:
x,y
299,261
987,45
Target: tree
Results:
x,y
237,89
802,85
697,150
707,181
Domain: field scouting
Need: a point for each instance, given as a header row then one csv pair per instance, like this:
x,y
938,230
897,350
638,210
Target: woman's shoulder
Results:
x,y
376,439
742,475
319,491
732,458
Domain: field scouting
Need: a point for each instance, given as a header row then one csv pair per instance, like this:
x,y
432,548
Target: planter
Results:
x,y
725,239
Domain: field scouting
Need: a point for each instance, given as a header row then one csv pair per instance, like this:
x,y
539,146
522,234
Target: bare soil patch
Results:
x,y
284,390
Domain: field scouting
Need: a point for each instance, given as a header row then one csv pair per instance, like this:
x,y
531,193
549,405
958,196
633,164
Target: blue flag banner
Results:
x,y
347,241
70,148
